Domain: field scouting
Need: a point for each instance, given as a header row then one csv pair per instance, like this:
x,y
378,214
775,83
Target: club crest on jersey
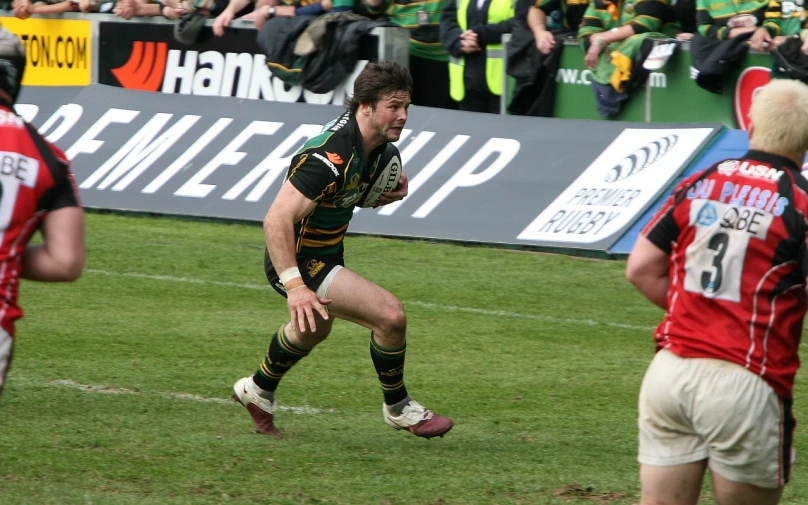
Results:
x,y
707,215
747,169
354,182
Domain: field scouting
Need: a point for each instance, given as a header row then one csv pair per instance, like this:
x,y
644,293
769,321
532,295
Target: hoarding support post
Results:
x,y
503,98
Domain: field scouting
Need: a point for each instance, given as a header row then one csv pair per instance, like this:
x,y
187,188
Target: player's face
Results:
x,y
390,115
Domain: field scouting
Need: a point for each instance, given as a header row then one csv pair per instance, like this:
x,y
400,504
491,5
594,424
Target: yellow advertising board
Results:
x,y
58,50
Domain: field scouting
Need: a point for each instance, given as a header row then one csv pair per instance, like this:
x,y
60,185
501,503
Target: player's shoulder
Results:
x,y
60,155
336,137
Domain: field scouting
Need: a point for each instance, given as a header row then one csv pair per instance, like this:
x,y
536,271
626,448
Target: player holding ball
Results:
x,y
351,163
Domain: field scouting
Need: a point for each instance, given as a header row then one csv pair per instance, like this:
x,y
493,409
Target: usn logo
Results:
x,y
747,169
641,158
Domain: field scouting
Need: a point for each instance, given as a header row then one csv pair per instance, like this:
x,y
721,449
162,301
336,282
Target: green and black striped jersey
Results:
x,y
715,18
786,17
422,18
330,169
644,16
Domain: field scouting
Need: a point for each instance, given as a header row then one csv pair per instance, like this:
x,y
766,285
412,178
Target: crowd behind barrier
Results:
x,y
637,61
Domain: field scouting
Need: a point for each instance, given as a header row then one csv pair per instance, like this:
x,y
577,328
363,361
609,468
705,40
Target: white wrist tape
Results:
x,y
289,274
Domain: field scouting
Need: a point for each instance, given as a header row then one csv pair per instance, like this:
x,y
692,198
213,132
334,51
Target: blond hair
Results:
x,y
779,116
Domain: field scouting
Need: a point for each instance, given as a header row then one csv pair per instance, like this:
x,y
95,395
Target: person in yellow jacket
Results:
x,y
471,31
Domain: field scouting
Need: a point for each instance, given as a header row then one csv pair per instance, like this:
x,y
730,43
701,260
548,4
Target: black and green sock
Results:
x,y
281,356
389,365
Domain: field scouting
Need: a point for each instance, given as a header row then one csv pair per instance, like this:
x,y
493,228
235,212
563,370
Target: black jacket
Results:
x,y
713,59
535,73
486,34
790,60
324,69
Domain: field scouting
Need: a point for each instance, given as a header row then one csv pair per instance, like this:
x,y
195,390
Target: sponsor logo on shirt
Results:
x,y
327,162
747,169
334,158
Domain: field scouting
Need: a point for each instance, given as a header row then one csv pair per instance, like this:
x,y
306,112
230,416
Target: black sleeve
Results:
x,y
449,29
64,192
311,175
492,33
664,232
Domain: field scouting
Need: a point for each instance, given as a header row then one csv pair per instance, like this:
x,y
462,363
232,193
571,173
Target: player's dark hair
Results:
x,y
378,80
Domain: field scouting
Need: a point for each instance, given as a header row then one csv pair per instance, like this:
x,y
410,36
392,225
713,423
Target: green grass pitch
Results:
x,y
120,385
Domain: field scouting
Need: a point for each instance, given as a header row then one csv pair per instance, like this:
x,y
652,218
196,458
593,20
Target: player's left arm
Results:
x,y
648,269
402,188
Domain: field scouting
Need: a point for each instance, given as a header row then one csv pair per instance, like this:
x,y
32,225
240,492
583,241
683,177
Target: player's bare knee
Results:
x,y
393,322
306,339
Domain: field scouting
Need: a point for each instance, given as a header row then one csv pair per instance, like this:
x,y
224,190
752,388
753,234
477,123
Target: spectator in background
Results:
x,y
471,31
572,13
429,60
24,9
782,20
127,9
607,23
725,20
266,9
87,6
616,37
685,15
719,46
534,53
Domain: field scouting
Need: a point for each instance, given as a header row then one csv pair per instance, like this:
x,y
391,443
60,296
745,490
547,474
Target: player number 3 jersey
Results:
x,y
736,235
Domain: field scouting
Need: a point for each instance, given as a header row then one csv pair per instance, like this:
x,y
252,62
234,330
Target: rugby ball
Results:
x,y
388,172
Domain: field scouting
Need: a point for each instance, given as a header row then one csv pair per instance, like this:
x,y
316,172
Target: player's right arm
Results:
x,y
290,207
61,257
647,269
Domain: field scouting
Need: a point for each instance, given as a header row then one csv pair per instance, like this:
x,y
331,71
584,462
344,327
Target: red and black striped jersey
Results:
x,y
35,179
736,236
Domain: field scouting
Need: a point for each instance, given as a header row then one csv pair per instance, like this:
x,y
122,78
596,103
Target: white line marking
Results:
x,y
171,278
425,305
549,319
103,389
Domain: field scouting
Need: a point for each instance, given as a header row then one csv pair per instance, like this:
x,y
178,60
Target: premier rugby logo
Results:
x,y
145,68
641,158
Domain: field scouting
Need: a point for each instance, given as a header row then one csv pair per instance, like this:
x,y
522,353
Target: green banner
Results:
x,y
670,95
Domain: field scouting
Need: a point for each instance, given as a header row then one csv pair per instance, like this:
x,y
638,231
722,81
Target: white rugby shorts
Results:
x,y
6,348
691,409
